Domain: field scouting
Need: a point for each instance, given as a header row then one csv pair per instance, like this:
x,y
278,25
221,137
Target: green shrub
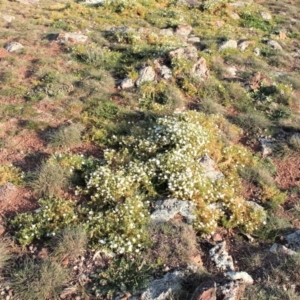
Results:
x,y
38,280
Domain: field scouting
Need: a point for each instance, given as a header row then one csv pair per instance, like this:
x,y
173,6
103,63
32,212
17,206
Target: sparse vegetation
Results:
x,y
84,158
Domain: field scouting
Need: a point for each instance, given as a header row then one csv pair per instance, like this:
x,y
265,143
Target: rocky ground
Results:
x,y
76,76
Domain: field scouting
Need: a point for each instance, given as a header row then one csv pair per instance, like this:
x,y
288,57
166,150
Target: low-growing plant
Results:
x,y
10,173
49,179
67,136
4,254
126,275
294,142
38,280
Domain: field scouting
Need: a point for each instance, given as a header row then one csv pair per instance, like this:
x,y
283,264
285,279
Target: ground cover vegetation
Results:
x,y
85,158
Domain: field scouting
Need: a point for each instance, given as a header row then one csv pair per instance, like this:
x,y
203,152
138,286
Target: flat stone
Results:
x,y
71,37
221,258
266,16
274,45
166,210
8,18
230,44
280,249
13,47
210,168
231,71
161,289
193,40
189,53
146,74
126,83
244,277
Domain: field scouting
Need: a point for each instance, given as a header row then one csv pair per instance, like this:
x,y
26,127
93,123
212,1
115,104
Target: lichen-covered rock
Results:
x,y
244,45
13,47
266,16
229,291
166,210
267,146
165,72
146,74
183,31
71,37
221,258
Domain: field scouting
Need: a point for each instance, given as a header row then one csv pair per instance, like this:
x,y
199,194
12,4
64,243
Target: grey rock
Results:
x,y
161,289
126,83
293,240
72,37
166,210
189,53
210,168
244,277
244,45
6,190
188,2
266,16
280,249
221,258
8,18
146,74
14,46
165,72
239,4
275,45
230,44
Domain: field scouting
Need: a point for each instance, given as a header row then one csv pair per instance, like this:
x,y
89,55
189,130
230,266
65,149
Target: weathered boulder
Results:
x,y
210,168
229,291
71,37
230,44
193,39
267,146
13,47
146,74
205,291
166,210
165,72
